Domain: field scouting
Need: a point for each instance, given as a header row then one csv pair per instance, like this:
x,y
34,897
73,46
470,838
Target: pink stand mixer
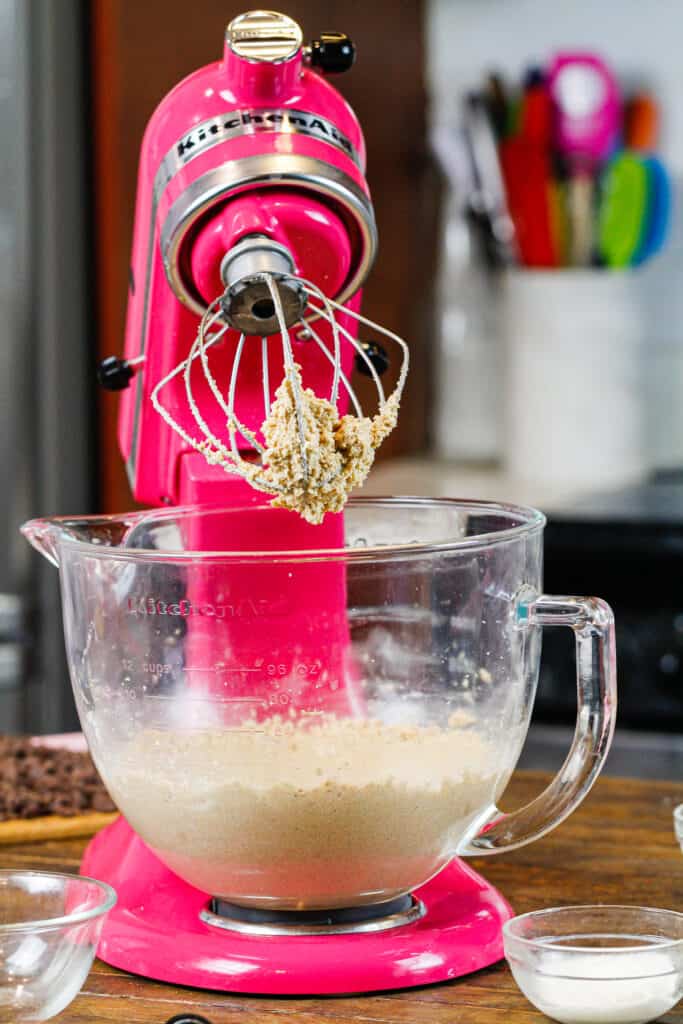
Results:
x,y
253,217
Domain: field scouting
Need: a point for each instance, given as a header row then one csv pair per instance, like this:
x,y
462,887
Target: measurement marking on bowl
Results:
x,y
242,700
211,698
218,669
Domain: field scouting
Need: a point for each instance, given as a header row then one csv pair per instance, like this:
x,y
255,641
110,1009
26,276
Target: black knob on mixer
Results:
x,y
187,1018
332,53
377,355
114,374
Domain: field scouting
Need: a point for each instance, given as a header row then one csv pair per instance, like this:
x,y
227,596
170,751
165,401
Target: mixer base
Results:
x,y
156,931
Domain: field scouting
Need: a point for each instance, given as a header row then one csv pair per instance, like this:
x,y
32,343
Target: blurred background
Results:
x,y
525,158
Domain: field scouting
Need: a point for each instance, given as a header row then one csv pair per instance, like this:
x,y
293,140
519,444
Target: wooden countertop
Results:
x,y
618,847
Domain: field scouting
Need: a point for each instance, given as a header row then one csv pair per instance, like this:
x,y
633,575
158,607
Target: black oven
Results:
x,y
626,547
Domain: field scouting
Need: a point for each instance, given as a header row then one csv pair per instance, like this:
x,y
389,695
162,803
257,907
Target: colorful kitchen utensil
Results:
x,y
658,210
488,200
641,122
582,185
581,215
586,106
497,102
536,116
559,219
528,179
622,216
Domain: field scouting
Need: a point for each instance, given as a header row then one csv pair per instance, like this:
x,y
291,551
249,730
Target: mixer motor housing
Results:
x,y
255,146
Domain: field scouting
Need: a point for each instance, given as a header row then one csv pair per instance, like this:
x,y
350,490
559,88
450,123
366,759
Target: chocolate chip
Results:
x,y
36,780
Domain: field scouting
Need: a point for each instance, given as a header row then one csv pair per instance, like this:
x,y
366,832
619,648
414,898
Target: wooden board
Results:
x,y
52,826
619,847
55,826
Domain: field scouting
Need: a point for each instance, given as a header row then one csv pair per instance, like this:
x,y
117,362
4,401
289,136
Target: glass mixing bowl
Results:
x,y
291,726
50,925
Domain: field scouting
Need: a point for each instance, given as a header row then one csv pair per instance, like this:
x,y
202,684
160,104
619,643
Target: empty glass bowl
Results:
x,y
295,723
50,925
599,964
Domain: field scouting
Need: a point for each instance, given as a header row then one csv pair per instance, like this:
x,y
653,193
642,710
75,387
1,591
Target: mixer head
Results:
x,y
254,217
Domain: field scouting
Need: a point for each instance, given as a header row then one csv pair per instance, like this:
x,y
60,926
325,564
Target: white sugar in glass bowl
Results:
x,y
50,925
598,964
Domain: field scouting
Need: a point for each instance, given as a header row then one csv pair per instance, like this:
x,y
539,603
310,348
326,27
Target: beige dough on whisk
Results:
x,y
336,455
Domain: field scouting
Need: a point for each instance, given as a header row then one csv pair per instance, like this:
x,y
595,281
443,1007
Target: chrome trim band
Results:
x,y
415,912
234,124
132,460
272,170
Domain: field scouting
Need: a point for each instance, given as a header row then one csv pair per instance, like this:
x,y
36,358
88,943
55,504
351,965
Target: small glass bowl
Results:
x,y
607,964
50,925
678,824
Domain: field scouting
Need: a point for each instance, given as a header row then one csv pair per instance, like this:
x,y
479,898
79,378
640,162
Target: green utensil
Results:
x,y
623,210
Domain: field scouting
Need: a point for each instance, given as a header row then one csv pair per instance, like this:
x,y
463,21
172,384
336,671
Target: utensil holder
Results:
x,y
574,367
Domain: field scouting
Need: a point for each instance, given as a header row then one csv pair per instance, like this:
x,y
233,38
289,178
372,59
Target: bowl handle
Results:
x,y
596,680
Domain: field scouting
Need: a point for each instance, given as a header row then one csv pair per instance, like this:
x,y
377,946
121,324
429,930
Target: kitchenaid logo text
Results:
x,y
246,608
245,122
236,123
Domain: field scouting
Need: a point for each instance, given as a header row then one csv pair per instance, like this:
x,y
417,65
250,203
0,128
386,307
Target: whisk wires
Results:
x,y
319,309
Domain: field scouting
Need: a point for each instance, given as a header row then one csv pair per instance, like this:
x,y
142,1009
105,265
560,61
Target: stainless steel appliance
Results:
x,y
46,426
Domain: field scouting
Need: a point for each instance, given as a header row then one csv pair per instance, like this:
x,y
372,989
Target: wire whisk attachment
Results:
x,y
308,457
